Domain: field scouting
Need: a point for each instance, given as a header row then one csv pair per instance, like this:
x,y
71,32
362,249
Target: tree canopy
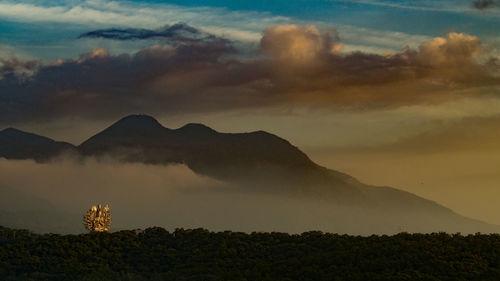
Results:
x,y
198,254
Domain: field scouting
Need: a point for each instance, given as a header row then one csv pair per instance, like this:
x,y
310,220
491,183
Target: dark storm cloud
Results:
x,y
485,4
177,33
296,66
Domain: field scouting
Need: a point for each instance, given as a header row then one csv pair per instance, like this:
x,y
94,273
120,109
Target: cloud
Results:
x,y
410,5
292,42
236,25
485,4
386,40
457,48
293,66
97,81
9,52
17,69
171,196
177,33
448,6
142,196
243,27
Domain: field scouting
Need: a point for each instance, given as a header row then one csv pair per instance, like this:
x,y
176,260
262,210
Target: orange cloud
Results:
x,y
299,44
455,49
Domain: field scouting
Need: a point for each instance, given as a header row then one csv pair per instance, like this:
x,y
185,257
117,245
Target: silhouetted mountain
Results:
x,y
256,157
16,144
250,162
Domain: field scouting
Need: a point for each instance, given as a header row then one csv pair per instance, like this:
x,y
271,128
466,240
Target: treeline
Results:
x,y
156,254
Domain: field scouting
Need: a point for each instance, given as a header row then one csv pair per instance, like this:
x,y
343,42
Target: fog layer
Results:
x,y
52,197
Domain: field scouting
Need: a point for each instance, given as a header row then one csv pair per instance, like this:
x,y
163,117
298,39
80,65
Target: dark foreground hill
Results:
x,y
156,254
255,162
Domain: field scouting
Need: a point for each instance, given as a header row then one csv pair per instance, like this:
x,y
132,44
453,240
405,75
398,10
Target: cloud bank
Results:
x,y
485,4
293,66
142,196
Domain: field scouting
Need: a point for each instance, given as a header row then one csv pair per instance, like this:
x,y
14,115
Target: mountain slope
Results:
x,y
260,159
252,162
16,144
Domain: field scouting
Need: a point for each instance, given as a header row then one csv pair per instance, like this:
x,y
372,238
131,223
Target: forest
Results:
x,y
199,254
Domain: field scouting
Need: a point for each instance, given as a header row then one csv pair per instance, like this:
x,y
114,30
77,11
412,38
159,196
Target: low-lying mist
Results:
x,y
52,197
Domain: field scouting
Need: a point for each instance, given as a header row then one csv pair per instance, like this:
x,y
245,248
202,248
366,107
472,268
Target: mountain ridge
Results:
x,y
257,161
198,146
18,144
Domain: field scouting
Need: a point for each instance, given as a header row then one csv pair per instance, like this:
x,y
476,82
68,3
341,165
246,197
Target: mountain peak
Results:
x,y
137,123
132,129
138,119
196,128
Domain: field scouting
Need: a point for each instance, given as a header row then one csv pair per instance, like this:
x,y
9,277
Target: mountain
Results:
x,y
256,157
16,144
251,162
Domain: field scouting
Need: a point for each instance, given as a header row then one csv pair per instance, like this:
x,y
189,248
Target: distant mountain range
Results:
x,y
257,161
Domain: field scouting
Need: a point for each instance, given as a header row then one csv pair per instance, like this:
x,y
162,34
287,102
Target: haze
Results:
x,y
172,196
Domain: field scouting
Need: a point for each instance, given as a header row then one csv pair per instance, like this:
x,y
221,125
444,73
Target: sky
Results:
x,y
398,93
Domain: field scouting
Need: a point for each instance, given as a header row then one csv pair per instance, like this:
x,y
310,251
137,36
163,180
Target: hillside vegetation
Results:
x,y
156,254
